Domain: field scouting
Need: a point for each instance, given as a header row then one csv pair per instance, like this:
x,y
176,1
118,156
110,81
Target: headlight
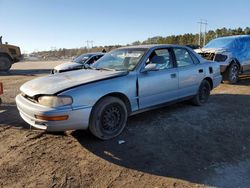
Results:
x,y
55,101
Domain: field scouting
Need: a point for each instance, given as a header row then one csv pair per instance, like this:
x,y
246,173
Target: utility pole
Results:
x,y
202,22
199,42
89,44
205,32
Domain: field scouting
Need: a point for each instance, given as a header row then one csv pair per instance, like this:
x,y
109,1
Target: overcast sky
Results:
x,y
42,24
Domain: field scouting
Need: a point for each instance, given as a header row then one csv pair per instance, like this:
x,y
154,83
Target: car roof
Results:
x,y
149,46
235,36
93,53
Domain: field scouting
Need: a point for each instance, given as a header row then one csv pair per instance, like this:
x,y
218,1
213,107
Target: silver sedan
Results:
x,y
123,82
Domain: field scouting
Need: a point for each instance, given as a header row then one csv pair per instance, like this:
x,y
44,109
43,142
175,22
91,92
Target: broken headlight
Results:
x,y
220,57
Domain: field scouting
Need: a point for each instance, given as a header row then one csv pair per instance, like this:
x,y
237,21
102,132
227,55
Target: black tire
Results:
x,y
232,73
203,94
5,64
108,118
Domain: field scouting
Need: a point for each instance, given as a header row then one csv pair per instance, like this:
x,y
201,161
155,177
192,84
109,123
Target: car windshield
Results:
x,y
123,59
82,58
220,43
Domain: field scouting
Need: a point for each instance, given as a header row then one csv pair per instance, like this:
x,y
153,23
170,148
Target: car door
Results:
x,y
160,85
191,72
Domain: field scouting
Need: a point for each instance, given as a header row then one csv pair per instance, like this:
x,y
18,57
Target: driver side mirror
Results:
x,y
150,67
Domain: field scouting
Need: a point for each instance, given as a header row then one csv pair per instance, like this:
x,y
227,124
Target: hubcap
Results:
x,y
111,119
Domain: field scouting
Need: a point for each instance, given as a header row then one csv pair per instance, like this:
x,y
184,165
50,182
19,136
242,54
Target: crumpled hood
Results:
x,y
67,65
211,50
55,83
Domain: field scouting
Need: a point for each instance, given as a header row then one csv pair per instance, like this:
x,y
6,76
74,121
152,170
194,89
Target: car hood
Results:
x,y
55,83
211,50
67,65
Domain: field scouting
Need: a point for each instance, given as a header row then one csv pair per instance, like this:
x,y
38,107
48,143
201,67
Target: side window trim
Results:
x,y
89,60
194,58
172,54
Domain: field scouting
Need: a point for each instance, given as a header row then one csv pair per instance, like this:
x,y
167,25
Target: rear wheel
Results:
x,y
108,118
203,94
232,73
5,64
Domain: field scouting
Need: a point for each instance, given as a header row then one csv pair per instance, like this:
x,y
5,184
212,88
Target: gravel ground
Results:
x,y
176,146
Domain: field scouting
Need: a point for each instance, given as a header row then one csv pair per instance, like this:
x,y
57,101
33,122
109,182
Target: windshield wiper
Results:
x,y
107,69
86,66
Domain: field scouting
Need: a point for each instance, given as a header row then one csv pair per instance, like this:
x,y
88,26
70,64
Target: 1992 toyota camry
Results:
x,y
124,82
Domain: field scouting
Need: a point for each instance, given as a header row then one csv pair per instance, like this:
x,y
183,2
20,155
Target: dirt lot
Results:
x,y
176,146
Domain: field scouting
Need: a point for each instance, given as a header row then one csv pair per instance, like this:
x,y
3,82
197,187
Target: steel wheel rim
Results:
x,y
234,73
111,119
203,96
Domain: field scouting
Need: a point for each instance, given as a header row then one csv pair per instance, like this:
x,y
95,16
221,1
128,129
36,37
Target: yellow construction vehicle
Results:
x,y
9,54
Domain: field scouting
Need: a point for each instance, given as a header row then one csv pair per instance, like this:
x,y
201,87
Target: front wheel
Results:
x,y
232,73
108,118
203,94
5,64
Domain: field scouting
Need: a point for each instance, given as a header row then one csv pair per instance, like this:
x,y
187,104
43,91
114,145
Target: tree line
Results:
x,y
185,39
192,39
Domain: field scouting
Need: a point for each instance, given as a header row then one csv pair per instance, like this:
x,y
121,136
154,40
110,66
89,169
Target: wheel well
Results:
x,y
210,81
237,62
121,96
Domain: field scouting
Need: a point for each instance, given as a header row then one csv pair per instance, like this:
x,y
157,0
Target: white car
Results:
x,y
79,62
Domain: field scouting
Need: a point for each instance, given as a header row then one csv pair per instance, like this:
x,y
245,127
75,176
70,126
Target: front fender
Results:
x,y
87,95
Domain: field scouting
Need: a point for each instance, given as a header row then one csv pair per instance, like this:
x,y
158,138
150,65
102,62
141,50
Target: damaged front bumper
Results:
x,y
30,113
220,58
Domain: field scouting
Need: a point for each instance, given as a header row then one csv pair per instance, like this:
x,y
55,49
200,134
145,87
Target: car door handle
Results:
x,y
173,75
200,70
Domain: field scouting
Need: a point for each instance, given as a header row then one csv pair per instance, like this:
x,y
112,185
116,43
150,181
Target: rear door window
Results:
x,y
183,58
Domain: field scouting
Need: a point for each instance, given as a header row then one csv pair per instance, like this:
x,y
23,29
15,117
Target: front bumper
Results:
x,y
77,118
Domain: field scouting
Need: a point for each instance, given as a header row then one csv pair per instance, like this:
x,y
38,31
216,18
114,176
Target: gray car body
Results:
x,y
139,90
69,66
238,51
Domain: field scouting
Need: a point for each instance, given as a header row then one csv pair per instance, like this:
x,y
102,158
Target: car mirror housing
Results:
x,y
150,67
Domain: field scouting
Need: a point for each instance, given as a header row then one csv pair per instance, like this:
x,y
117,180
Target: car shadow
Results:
x,y
30,72
244,80
182,141
9,116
